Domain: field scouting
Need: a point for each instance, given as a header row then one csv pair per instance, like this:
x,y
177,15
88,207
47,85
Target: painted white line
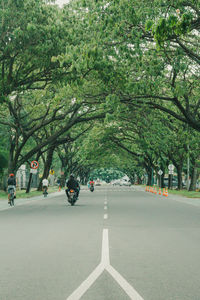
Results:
x,y
130,291
78,293
105,260
105,257
105,216
105,265
105,207
105,203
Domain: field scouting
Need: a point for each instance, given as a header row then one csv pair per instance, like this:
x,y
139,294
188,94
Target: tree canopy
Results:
x,y
100,84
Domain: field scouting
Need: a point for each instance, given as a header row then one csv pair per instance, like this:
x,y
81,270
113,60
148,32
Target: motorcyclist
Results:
x,y
72,183
11,185
91,185
91,182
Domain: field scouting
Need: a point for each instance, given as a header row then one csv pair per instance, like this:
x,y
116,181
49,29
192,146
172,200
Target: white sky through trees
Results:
x,y
61,2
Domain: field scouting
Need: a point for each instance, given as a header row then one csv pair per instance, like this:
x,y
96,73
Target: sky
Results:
x,y
61,2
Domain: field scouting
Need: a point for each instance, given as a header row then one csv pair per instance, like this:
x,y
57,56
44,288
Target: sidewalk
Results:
x,y
23,201
190,201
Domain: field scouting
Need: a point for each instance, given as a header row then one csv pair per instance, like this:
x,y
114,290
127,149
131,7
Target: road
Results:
x,y
117,243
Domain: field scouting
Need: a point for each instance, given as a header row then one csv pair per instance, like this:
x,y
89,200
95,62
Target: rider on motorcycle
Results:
x,y
72,183
91,182
11,185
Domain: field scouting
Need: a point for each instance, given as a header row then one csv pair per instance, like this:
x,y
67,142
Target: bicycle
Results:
x,y
45,193
11,197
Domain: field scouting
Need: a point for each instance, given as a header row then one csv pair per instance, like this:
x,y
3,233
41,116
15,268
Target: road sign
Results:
x,y
34,164
171,172
171,167
33,171
160,172
52,172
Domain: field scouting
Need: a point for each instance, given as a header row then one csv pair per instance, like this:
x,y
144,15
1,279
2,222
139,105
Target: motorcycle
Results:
x,y
72,197
92,188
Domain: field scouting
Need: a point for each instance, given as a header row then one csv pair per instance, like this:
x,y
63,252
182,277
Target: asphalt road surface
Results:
x,y
117,243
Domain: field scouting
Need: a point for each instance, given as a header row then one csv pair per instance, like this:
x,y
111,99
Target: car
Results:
x,y
116,182
126,183
174,182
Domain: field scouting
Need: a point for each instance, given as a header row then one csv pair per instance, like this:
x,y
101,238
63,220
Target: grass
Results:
x,y
184,193
23,194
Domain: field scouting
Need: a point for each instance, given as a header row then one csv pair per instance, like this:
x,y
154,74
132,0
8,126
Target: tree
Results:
x,y
32,33
60,114
165,77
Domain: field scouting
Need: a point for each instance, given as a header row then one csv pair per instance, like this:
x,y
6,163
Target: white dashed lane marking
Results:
x,y
105,216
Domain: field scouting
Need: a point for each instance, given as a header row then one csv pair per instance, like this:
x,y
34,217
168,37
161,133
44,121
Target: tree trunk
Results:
x,y
162,180
149,174
11,163
29,183
179,174
194,178
47,166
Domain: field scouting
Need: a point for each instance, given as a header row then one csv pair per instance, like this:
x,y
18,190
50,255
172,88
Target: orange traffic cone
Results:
x,y
59,189
155,190
164,192
159,193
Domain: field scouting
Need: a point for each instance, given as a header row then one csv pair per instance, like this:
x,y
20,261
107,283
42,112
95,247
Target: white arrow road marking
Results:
x,y
105,265
130,291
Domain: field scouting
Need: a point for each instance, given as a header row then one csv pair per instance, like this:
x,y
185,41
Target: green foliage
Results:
x,y
166,28
100,59
106,174
3,161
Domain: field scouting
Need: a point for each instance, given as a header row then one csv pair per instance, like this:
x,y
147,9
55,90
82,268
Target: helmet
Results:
x,y
12,175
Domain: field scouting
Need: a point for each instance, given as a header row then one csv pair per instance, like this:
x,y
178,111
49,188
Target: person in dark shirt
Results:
x,y
11,185
72,183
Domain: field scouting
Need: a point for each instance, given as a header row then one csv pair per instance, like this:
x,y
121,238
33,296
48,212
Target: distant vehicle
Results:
x,y
126,183
174,182
121,182
116,182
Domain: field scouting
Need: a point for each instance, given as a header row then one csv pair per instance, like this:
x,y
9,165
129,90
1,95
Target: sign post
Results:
x,y
34,165
171,172
160,172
